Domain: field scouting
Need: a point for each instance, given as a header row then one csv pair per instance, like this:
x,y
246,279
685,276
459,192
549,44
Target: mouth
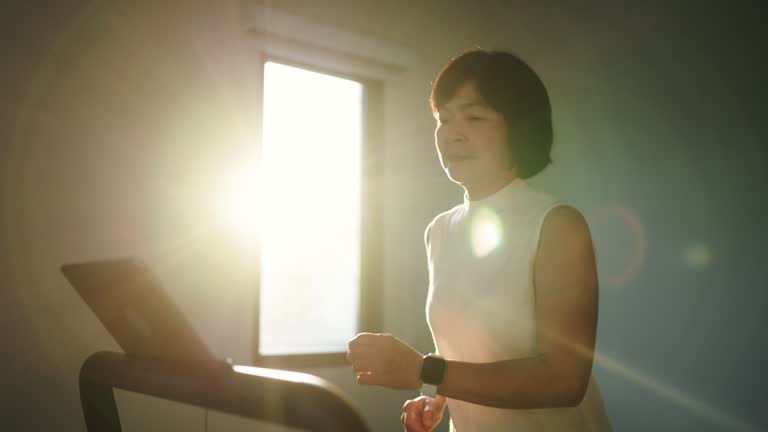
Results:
x,y
457,158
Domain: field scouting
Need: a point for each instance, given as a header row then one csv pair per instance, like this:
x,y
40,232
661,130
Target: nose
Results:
x,y
450,144
457,137
450,139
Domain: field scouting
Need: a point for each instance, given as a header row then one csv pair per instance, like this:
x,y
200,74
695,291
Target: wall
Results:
x,y
121,120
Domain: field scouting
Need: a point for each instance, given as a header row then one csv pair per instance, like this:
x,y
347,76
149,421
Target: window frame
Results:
x,y
369,317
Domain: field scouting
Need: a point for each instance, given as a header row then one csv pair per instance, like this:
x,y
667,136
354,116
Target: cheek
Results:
x,y
494,151
502,149
500,146
439,139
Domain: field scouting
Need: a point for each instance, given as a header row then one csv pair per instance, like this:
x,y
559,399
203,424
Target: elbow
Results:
x,y
568,386
574,393
571,382
561,394
562,391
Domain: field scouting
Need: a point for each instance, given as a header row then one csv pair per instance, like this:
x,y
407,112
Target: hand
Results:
x,y
384,360
423,413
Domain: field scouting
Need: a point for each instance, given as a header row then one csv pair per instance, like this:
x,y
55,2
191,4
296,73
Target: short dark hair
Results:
x,y
512,88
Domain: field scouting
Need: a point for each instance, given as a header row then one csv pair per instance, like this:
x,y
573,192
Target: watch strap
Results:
x,y
429,390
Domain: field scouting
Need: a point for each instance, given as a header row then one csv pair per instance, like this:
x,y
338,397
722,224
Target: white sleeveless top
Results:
x,y
480,306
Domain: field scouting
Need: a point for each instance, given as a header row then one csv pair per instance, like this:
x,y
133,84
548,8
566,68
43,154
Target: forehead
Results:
x,y
464,97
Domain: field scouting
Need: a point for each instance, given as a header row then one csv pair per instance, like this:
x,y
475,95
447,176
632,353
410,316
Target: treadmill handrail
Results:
x,y
289,398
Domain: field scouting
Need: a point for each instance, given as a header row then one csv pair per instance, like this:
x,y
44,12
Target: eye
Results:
x,y
474,118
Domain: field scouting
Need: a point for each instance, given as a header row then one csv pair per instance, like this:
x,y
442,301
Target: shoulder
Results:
x,y
547,208
564,217
563,229
441,221
538,200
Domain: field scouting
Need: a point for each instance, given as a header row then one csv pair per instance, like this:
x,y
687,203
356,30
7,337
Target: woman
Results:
x,y
513,295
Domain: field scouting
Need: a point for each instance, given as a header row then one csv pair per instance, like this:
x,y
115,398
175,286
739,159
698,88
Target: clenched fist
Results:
x,y
423,414
384,360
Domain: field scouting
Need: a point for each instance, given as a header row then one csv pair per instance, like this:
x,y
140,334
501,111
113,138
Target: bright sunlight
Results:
x,y
309,211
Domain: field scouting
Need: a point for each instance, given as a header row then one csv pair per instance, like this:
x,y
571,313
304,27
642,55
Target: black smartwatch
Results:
x,y
432,371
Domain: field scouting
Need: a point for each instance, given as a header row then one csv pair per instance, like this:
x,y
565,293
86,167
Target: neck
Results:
x,y
483,189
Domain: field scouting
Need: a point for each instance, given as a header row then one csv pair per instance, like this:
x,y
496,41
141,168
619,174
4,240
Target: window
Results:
x,y
322,162
316,287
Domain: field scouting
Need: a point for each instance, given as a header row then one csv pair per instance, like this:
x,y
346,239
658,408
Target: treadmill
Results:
x,y
166,358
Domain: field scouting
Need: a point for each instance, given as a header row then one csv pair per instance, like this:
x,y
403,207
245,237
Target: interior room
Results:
x,y
143,129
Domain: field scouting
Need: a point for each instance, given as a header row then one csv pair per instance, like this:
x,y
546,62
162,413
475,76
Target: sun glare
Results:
x,y
241,203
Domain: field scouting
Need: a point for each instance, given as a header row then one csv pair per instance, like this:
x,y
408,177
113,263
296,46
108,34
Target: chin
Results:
x,y
458,176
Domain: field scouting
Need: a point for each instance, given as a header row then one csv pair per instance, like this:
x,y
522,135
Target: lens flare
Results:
x,y
486,232
698,256
616,221
665,391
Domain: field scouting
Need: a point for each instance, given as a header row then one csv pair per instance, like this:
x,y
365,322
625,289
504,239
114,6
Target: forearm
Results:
x,y
525,383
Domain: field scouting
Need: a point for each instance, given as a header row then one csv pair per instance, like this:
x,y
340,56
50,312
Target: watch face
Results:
x,y
432,369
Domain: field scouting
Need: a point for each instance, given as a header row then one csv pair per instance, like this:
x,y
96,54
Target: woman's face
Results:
x,y
471,139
